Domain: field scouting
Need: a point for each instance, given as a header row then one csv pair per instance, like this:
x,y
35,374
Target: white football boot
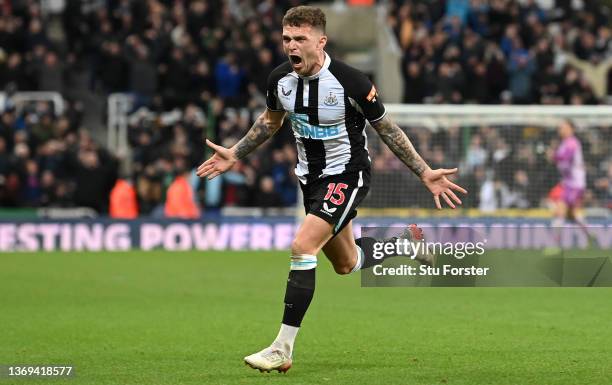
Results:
x,y
415,234
269,359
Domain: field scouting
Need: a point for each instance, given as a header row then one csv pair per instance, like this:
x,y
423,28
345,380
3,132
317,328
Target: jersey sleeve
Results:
x,y
362,92
367,98
272,101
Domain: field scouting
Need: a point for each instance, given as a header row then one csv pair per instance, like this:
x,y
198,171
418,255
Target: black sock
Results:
x,y
367,246
299,293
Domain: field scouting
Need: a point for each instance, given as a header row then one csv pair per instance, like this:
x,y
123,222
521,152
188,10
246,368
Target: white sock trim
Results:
x,y
359,262
303,262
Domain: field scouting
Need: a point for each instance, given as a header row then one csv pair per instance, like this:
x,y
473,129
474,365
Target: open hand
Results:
x,y
222,160
439,185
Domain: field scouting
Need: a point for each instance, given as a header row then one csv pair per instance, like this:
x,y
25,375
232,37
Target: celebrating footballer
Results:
x,y
327,103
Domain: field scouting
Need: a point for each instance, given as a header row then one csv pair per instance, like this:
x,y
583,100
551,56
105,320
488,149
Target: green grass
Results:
x,y
189,318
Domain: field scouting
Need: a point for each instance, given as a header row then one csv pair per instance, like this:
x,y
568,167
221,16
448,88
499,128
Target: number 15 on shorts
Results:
x,y
335,193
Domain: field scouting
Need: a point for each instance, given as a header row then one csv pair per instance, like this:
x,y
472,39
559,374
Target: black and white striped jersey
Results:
x,y
328,113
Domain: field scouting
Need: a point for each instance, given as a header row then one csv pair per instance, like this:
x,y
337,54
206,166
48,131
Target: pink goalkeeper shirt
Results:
x,y
570,163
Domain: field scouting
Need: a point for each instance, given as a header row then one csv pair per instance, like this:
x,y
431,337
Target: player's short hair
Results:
x,y
304,14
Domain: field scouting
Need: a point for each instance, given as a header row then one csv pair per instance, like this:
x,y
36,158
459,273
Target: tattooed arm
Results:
x,y
400,145
224,159
435,180
264,127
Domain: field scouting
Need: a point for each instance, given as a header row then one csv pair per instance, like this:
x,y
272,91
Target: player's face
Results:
x,y
304,47
565,130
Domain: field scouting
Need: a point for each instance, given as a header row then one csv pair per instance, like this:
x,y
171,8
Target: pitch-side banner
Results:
x,y
272,234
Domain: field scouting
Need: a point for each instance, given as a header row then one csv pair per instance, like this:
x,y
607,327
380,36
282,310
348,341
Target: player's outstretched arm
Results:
x,y
224,159
435,180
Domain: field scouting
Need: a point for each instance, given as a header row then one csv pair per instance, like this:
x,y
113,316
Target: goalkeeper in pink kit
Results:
x,y
570,163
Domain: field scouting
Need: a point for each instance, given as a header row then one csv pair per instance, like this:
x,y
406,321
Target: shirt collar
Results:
x,y
323,68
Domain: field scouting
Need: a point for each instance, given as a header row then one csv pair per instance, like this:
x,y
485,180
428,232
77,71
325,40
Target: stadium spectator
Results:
x,y
476,155
5,161
143,71
14,73
521,69
49,196
230,77
149,189
283,162
415,85
112,73
603,186
95,175
267,196
51,73
180,198
31,188
123,201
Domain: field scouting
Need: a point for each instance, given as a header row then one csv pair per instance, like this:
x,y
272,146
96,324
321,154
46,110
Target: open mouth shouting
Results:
x,y
296,62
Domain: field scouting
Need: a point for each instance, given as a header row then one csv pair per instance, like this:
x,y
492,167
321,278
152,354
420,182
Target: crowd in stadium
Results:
x,y
501,51
173,58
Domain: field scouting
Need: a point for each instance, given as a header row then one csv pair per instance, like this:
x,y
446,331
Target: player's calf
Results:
x,y
298,295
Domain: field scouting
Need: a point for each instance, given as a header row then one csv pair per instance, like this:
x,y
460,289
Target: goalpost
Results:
x,y
502,152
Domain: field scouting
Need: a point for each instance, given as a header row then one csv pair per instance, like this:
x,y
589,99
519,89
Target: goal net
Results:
x,y
503,154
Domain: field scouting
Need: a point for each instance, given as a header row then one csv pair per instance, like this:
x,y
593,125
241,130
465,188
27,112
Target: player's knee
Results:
x,y
299,247
342,268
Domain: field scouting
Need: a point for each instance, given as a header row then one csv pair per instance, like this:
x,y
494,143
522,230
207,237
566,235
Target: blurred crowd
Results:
x,y
194,75
504,51
45,160
184,57
160,141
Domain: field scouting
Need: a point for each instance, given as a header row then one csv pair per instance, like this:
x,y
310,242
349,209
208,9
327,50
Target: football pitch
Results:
x,y
190,317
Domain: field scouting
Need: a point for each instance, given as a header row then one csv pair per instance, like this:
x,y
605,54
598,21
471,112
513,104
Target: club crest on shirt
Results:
x,y
286,93
330,100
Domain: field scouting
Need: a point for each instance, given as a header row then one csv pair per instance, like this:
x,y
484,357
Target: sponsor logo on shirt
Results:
x,y
304,129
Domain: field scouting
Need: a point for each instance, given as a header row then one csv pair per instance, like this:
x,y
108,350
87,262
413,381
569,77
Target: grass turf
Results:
x,y
189,318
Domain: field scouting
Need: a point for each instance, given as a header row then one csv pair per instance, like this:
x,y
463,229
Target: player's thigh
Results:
x,y
341,249
313,233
